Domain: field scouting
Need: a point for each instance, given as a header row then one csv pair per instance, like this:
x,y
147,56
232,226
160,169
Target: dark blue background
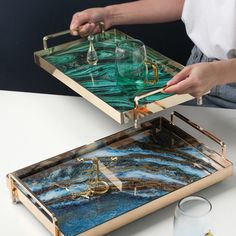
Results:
x,y
24,23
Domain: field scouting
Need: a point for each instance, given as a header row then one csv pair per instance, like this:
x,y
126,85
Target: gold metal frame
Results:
x,y
200,129
20,193
55,35
121,117
50,36
136,104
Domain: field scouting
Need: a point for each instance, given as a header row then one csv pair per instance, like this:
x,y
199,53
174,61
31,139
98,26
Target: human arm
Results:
x,y
137,12
198,79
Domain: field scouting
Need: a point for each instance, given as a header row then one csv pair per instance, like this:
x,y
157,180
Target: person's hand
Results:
x,y
85,22
196,79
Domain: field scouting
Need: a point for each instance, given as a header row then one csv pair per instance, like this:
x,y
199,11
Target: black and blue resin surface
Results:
x,y
149,163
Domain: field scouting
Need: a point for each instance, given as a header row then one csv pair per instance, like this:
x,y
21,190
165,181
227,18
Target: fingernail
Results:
x,y
73,26
74,32
163,90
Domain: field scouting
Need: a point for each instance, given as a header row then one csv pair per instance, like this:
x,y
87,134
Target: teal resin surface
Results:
x,y
149,166
101,79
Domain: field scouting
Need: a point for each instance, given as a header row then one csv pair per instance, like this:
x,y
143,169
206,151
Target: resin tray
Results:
x,y
98,84
99,187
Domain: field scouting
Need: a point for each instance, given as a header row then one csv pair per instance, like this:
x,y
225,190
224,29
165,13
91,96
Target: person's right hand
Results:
x,y
85,22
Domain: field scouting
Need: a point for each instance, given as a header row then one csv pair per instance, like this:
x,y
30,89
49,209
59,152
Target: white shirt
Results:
x,y
211,25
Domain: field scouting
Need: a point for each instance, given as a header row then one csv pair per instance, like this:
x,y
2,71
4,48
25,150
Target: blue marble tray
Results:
x,y
144,169
98,83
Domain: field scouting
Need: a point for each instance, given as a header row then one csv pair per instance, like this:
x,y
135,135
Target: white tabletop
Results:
x,y
34,127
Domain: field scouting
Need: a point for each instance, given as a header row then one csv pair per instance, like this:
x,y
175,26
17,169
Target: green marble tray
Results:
x,y
99,187
97,84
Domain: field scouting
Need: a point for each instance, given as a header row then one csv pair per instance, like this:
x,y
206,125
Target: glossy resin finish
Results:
x,y
139,166
101,79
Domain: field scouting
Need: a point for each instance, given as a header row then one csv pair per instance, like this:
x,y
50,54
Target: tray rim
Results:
x,y
107,140
19,191
119,116
132,215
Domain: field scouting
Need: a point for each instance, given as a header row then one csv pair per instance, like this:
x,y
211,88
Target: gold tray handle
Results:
x,y
136,104
201,130
50,36
15,185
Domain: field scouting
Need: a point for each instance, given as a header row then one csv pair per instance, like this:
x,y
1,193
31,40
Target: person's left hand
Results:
x,y
196,79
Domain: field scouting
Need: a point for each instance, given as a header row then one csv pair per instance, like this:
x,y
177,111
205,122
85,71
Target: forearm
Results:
x,y
145,11
226,71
